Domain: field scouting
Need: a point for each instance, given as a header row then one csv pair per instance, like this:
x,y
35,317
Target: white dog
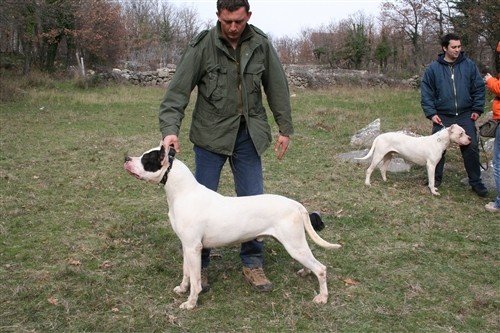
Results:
x,y
425,150
204,218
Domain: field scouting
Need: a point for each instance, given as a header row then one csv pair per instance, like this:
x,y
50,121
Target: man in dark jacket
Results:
x,y
453,92
230,64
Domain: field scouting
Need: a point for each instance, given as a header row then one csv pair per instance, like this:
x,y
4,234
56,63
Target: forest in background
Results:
x,y
55,35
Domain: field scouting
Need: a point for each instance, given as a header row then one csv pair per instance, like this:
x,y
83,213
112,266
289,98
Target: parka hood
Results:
x,y
461,57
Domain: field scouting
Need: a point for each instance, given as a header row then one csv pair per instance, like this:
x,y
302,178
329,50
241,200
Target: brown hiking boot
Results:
x,y
204,280
257,278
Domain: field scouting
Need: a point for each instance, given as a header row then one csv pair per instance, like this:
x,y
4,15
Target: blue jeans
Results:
x,y
496,165
246,167
470,153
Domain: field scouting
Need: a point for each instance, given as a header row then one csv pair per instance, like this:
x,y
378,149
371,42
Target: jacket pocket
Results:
x,y
253,76
215,84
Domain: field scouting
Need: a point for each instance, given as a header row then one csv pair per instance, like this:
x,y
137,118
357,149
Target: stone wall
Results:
x,y
299,76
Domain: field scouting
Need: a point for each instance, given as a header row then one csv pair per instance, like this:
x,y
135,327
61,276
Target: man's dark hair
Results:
x,y
445,40
232,5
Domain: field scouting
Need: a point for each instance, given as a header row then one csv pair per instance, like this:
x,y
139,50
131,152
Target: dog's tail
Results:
x,y
370,153
314,236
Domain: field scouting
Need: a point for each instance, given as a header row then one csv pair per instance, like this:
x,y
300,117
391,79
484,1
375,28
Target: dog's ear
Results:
x,y
163,156
171,151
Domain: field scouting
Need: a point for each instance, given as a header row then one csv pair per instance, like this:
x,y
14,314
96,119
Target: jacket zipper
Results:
x,y
452,71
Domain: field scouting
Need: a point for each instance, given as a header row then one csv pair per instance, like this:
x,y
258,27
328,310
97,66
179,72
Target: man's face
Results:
x,y
233,23
453,50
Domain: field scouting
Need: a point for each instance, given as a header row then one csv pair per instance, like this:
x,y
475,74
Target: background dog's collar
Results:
x,y
171,156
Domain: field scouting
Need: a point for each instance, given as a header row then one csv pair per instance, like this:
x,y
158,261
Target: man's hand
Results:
x,y
281,145
437,120
474,116
171,140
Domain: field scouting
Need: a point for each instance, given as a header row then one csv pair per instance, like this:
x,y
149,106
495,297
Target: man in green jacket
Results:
x,y
229,64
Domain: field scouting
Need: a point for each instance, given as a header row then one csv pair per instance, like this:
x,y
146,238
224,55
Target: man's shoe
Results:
x,y
316,221
257,278
490,207
480,190
204,280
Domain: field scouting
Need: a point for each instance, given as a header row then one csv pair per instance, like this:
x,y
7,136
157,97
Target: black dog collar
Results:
x,y
171,156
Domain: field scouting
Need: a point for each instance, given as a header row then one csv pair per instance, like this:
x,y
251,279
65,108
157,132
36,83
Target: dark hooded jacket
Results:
x,y
451,89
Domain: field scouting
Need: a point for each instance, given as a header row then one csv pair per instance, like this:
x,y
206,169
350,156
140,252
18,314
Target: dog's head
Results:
x,y
150,166
458,135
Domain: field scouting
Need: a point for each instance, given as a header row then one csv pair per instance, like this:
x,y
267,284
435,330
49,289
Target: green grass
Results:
x,y
87,248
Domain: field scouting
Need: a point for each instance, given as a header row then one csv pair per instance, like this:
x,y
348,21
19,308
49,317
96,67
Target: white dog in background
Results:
x,y
424,150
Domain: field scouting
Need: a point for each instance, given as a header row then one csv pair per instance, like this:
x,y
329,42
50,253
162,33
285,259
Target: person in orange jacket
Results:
x,y
493,84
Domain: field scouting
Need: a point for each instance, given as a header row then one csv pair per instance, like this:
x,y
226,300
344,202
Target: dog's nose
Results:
x,y
127,159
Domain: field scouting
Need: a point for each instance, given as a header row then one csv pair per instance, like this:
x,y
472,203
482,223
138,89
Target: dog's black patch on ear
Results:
x,y
316,221
152,160
162,153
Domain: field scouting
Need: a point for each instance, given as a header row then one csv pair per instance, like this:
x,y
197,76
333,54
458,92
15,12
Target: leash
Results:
x,y
481,144
444,127
171,156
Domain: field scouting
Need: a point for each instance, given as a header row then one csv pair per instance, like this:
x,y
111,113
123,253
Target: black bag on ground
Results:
x,y
489,128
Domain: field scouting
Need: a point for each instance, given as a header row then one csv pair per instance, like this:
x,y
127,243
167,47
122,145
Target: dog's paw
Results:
x,y
435,192
320,299
179,290
303,272
187,305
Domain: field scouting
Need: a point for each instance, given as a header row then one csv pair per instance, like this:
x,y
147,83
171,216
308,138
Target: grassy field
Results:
x,y
84,247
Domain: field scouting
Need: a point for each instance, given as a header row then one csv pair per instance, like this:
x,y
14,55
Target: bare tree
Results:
x,y
410,17
441,13
286,48
99,32
158,32
187,24
478,23
305,47
357,46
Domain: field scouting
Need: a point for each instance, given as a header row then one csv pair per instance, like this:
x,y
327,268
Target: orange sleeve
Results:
x,y
493,85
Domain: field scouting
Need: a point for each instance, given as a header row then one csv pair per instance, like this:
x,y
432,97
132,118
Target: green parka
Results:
x,y
209,65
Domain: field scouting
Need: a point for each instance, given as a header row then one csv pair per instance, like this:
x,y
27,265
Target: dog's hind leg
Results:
x,y
375,160
385,165
302,253
369,173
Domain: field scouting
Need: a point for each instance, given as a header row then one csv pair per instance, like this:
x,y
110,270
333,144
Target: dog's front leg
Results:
x,y
183,287
192,260
431,171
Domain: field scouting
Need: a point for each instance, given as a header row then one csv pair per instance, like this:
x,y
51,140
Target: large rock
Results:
x,y
365,136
